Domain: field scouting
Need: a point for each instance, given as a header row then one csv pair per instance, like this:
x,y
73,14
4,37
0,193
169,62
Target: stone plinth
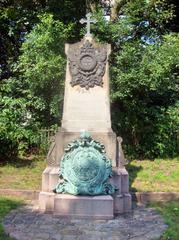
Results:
x,y
122,201
62,139
94,207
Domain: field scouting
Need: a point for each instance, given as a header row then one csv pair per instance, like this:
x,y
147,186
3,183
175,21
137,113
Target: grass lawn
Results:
x,y
170,212
161,175
6,205
22,173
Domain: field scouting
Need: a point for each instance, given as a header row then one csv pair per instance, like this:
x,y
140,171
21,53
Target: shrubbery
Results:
x,y
31,99
144,77
143,69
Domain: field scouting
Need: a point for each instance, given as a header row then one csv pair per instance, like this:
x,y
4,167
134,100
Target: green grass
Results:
x,y
170,212
22,173
161,175
6,205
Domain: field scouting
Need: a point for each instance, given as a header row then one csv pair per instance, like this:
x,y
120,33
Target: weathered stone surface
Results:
x,y
96,207
86,109
62,138
87,65
88,21
148,197
45,179
46,201
25,194
142,223
122,199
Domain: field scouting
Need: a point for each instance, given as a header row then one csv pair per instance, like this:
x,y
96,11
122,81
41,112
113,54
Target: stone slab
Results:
x,y
122,203
127,202
86,109
93,207
118,204
50,177
22,193
53,178
45,179
148,197
136,197
46,201
124,180
120,179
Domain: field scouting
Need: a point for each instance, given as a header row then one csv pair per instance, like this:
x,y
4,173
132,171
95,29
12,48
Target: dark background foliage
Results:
x,y
143,69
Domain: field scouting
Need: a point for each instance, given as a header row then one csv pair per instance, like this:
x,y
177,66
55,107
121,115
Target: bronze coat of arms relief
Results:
x,y
87,66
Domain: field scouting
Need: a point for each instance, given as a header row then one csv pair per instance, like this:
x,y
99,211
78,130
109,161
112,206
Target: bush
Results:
x,y
145,97
31,99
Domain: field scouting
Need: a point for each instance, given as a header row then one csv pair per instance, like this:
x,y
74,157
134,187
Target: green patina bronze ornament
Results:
x,y
85,168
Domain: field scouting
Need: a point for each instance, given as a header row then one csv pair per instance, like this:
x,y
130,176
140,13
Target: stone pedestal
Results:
x,y
95,207
86,109
121,201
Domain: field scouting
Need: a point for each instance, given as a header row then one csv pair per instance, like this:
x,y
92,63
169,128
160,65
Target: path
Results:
x,y
27,223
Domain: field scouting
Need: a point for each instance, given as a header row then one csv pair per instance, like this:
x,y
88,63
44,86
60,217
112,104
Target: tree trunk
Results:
x,y
116,5
115,8
91,6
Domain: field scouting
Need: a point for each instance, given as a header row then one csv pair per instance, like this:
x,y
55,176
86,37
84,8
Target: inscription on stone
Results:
x,y
87,66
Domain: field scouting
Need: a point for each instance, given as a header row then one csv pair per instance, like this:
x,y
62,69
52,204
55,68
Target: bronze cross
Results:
x,y
88,21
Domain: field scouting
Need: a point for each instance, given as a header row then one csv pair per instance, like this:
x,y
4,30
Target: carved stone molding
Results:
x,y
87,65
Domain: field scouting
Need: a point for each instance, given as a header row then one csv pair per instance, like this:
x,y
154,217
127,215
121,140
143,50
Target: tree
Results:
x,y
41,66
144,68
30,93
18,17
34,90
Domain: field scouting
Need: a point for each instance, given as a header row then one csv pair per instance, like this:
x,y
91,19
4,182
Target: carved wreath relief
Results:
x,y
87,66
85,168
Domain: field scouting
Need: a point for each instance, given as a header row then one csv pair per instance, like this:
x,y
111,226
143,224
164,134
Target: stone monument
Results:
x,y
85,174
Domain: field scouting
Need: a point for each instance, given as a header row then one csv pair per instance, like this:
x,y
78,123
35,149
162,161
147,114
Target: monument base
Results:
x,y
99,207
90,207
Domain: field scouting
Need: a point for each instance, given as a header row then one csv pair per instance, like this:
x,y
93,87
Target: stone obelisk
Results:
x,y
86,109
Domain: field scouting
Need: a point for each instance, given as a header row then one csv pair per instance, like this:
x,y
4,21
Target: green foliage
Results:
x,y
145,96
144,69
18,18
170,211
143,63
17,131
34,91
41,66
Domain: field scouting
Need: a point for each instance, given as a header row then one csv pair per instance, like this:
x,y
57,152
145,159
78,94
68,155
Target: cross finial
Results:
x,y
88,21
